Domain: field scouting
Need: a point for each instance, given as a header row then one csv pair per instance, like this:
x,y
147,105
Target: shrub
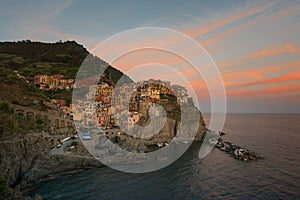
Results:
x,y
39,121
5,108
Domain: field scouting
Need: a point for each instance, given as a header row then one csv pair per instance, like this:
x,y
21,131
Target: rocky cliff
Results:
x,y
26,159
183,122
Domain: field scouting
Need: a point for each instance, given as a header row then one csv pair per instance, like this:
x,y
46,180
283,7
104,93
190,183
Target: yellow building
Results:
x,y
42,79
155,93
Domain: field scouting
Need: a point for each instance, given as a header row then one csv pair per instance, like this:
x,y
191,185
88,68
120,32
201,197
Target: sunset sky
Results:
x,y
255,44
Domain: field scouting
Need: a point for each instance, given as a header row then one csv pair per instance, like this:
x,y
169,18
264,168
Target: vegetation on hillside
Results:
x,y
32,58
2,187
18,124
16,90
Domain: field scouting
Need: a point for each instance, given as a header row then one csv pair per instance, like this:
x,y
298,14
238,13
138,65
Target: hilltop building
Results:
x,y
53,82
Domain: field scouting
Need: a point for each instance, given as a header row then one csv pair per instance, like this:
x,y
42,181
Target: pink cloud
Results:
x,y
287,48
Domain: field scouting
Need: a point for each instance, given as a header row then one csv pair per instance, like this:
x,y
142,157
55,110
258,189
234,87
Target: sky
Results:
x,y
254,44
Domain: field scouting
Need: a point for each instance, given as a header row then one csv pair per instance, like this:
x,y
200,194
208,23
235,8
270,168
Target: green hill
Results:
x,y
16,90
33,58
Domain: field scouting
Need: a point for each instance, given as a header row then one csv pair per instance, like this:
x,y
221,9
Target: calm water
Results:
x,y
218,176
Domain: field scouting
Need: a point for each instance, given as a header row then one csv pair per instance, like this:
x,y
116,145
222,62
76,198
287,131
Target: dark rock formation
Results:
x,y
236,151
26,160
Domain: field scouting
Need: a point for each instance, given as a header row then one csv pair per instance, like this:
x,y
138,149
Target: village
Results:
x,y
107,107
123,106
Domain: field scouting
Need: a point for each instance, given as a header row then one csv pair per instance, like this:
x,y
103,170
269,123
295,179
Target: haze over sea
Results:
x,y
274,136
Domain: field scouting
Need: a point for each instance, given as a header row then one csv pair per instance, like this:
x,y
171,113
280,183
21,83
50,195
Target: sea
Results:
x,y
276,137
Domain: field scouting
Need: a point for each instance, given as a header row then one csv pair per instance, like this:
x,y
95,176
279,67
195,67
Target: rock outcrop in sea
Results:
x,y
236,151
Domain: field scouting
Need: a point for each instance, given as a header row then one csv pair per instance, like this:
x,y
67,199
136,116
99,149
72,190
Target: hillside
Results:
x,y
15,89
33,58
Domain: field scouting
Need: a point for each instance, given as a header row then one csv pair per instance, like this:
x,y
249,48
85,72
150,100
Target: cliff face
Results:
x,y
183,122
27,159
188,125
21,154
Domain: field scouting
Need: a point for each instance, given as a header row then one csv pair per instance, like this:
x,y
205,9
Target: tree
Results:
x,y
5,108
40,124
39,121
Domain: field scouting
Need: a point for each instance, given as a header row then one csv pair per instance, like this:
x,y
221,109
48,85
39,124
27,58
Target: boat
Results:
x,y
86,136
66,139
160,144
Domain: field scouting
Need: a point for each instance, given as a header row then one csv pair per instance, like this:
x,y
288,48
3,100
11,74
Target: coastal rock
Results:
x,y
236,151
27,159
